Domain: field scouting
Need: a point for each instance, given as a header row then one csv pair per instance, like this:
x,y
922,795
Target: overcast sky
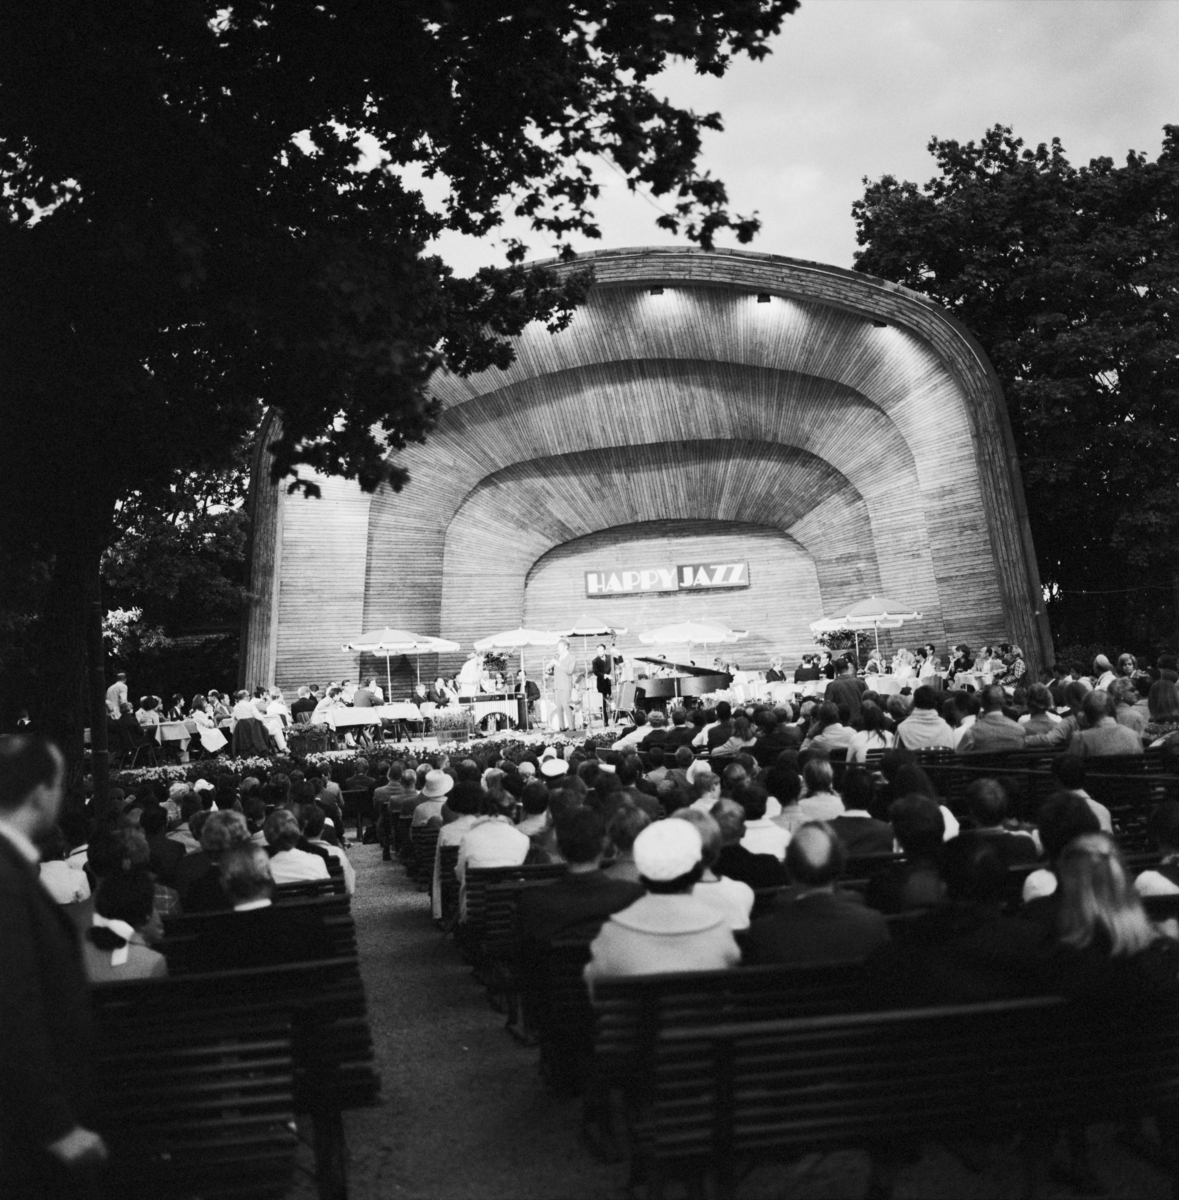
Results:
x,y
858,87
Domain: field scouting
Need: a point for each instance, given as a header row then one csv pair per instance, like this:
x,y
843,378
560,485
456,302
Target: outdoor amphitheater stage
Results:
x,y
718,436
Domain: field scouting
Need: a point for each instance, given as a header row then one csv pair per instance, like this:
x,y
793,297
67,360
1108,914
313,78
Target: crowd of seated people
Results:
x,y
219,846
696,840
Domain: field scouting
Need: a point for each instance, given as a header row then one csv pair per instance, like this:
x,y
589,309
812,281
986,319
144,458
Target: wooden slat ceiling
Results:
x,y
880,451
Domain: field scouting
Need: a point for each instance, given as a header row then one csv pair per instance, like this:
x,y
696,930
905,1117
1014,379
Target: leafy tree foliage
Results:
x,y
192,227
1069,277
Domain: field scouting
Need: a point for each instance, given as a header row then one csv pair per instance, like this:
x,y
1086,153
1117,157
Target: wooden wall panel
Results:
x,y
776,608
321,600
520,514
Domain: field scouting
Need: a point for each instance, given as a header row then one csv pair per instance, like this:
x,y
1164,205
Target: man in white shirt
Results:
x,y
637,736
287,863
821,803
116,694
923,729
469,676
313,825
762,836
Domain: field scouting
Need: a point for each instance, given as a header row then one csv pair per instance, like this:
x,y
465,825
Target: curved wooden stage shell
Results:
x,y
845,437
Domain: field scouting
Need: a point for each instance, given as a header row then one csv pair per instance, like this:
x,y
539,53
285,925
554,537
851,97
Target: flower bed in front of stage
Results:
x,y
340,763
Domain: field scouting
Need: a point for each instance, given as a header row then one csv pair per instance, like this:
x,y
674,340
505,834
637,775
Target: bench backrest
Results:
x,y
479,879
196,1093
631,1010
795,1086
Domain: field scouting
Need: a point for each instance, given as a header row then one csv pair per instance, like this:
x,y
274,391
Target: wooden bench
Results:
x,y
183,932
447,862
424,845
202,1074
725,1095
472,930
202,1106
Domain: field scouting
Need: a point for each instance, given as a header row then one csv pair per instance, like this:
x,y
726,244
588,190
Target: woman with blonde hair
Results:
x,y
1108,943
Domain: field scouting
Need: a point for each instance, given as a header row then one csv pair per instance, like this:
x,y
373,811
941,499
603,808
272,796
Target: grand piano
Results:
x,y
687,681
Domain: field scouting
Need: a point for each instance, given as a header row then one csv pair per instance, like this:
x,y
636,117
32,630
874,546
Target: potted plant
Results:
x,y
453,724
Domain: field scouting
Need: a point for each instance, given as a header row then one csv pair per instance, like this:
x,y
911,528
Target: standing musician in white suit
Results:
x,y
564,665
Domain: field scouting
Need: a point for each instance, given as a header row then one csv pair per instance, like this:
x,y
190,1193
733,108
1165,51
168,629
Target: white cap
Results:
x,y
666,850
552,767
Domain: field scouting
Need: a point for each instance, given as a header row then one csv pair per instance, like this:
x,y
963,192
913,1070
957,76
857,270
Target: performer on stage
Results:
x,y
563,666
469,676
603,668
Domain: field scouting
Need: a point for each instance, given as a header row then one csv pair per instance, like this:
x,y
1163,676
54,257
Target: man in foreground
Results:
x,y
46,1147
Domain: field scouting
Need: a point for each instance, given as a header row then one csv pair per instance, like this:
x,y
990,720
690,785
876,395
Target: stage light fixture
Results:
x,y
880,324
763,297
656,291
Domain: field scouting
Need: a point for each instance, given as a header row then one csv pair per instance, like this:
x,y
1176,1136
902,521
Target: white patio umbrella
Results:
x,y
692,633
399,641
877,613
517,639
585,628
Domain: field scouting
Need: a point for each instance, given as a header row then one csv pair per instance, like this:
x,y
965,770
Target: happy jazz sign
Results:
x,y
688,577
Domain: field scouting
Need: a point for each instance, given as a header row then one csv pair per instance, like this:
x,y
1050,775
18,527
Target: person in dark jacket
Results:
x,y
47,1145
760,871
814,921
575,905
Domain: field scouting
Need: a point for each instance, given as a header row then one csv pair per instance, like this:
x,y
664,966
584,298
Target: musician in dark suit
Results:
x,y
46,1146
603,668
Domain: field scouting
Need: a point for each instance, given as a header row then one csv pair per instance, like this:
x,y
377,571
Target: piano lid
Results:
x,y
683,668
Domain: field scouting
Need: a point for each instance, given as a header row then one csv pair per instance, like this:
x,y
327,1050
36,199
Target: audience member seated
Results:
x,y
916,883
166,852
813,921
1125,700
730,897
1111,952
762,836
1069,772
668,929
871,735
362,781
742,739
114,948
1101,734
680,733
966,951
704,789
1039,718
311,818
257,933
735,861
626,825
986,804
575,905
637,736
1061,734
289,864
1163,706
198,877
857,829
628,773
460,811
66,884
534,801
720,731
1062,817
784,785
777,736
923,729
820,803
1163,880
434,791
828,733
